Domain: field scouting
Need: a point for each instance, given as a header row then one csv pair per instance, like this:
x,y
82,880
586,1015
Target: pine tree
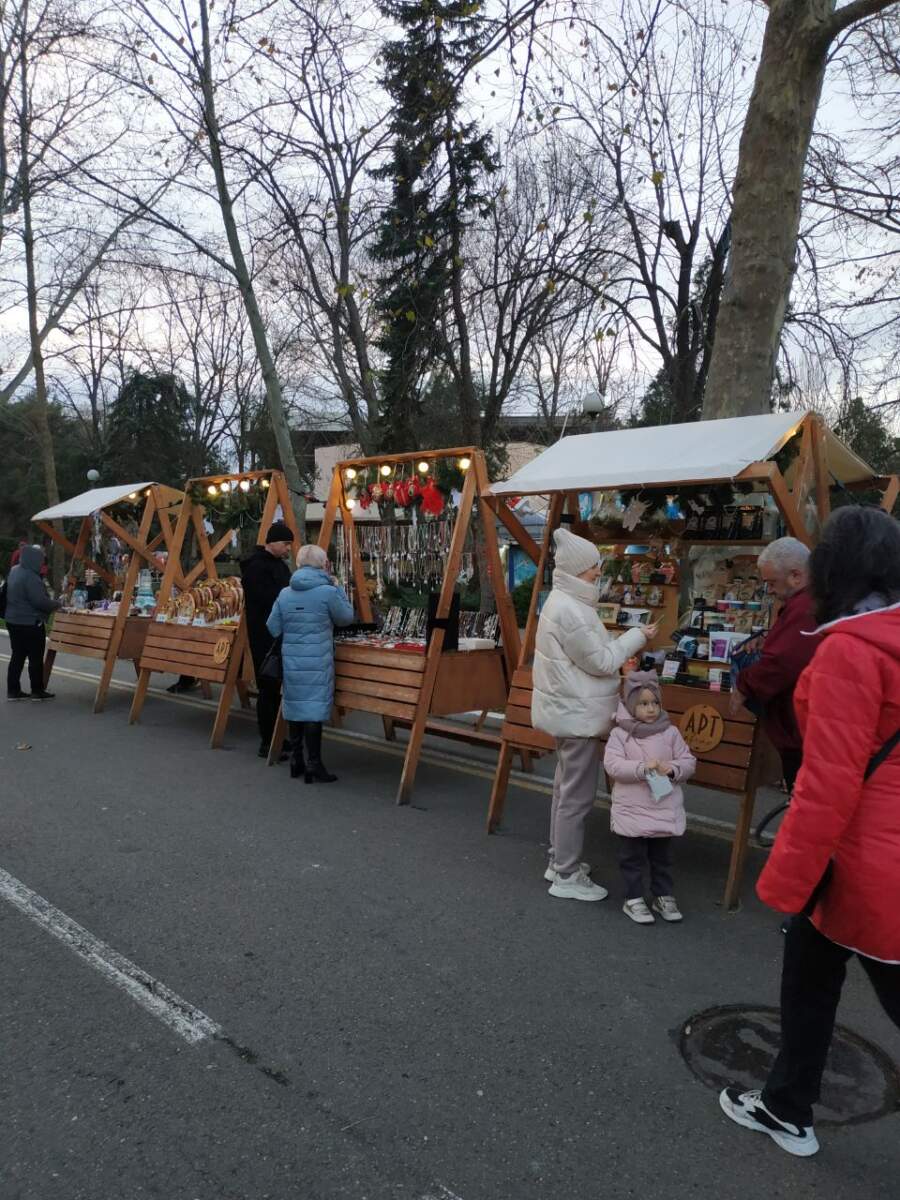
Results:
x,y
437,172
150,434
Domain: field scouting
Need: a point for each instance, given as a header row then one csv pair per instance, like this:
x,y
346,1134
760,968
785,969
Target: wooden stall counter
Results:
x,y
388,680
93,635
207,652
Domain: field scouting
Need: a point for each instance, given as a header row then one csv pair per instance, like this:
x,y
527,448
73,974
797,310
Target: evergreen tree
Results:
x,y
437,170
150,434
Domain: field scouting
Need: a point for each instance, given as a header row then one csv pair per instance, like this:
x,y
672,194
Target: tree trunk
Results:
x,y
274,396
766,207
43,433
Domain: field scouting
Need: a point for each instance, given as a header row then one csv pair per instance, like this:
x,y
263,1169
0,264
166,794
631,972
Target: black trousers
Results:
x,y
25,642
790,767
635,855
267,700
812,977
309,732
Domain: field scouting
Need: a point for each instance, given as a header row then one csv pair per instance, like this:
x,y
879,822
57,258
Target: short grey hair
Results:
x,y
312,556
785,555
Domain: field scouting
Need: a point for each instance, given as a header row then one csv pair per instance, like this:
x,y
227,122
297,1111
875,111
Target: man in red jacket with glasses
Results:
x,y
786,651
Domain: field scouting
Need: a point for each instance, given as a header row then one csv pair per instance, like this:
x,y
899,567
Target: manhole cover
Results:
x,y
738,1045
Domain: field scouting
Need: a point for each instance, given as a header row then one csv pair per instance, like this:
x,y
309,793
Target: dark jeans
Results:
x,y
790,767
634,856
309,732
812,976
25,642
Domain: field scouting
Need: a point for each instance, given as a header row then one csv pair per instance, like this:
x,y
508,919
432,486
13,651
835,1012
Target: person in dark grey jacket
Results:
x,y
27,607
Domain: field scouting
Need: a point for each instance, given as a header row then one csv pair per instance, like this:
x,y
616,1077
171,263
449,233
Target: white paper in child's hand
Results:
x,y
660,785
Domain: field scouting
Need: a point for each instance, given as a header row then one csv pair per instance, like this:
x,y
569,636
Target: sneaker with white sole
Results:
x,y
578,886
667,907
638,911
551,872
747,1109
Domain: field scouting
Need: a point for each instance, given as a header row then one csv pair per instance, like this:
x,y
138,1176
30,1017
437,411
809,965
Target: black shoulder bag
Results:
x,y
271,667
872,766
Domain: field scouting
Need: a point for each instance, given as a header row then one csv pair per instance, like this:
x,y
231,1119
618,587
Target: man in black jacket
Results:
x,y
264,573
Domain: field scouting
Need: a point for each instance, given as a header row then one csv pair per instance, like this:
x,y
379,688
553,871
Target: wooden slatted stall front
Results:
x,y
211,653
386,682
726,748
90,635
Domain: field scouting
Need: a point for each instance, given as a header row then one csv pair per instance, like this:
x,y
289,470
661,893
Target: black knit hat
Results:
x,y
279,532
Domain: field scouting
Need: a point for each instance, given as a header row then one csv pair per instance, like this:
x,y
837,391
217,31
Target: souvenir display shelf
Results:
x,y
109,630
727,746
406,682
198,627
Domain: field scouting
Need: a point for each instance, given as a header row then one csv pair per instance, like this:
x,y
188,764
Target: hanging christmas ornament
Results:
x,y
415,489
633,514
432,499
376,491
401,493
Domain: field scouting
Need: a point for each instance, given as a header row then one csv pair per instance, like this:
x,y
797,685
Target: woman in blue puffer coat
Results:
x,y
304,616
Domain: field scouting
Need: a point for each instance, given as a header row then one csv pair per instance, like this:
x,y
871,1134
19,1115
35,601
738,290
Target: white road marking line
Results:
x,y
442,1193
180,1016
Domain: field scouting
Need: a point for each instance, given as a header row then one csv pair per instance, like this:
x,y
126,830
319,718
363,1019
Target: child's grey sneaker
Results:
x,y
578,886
667,907
638,911
747,1109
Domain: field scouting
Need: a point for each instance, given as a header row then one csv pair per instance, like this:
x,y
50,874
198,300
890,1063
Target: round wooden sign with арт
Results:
x,y
702,727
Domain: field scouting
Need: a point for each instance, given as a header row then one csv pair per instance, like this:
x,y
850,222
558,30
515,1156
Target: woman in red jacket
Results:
x,y
837,854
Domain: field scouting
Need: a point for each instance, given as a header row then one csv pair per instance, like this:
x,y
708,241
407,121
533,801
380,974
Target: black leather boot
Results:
x,y
316,771
298,766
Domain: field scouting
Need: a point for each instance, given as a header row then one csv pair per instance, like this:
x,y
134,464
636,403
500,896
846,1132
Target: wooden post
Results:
x,y
731,897
889,498
509,628
822,481
553,514
436,645
131,575
500,787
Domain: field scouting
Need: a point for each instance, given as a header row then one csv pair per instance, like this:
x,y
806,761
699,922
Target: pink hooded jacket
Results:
x,y
635,813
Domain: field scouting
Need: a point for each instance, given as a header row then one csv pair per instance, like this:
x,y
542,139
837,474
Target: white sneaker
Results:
x,y
576,887
638,911
667,907
747,1109
550,873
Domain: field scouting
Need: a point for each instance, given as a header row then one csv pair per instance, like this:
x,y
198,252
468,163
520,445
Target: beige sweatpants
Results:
x,y
574,788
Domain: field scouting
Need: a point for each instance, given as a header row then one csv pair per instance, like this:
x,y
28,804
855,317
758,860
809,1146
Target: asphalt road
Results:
x,y
406,1013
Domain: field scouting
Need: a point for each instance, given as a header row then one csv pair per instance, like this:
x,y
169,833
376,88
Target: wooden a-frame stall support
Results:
x,y
739,451
101,635
211,653
419,690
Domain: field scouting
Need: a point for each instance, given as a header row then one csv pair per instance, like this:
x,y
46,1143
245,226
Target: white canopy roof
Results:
x,y
695,452
90,502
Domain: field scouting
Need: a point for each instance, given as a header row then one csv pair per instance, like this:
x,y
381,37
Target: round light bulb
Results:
x,y
245,485
465,463
351,503
385,470
213,490
350,472
264,483
423,467
132,495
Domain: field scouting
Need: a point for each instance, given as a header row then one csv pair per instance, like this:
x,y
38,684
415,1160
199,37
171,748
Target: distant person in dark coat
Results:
x,y
786,652
265,573
27,607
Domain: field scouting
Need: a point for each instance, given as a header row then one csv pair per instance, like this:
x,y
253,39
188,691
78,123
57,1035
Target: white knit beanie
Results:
x,y
574,554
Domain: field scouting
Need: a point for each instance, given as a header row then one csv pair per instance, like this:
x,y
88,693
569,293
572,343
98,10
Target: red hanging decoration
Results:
x,y
414,490
401,493
376,491
432,499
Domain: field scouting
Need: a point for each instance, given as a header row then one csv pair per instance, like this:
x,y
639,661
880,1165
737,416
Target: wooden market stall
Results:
x,y
404,680
199,627
112,630
709,482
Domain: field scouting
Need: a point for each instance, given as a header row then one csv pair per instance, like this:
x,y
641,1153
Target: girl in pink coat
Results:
x,y
647,758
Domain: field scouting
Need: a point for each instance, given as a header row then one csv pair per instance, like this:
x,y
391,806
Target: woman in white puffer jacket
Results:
x,y
576,685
